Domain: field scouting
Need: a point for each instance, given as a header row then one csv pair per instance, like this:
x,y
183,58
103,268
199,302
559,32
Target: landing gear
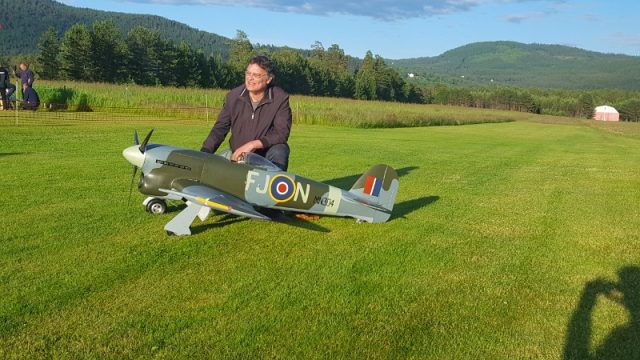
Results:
x,y
156,206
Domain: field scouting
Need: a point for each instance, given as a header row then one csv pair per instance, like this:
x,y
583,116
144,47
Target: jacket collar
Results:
x,y
268,97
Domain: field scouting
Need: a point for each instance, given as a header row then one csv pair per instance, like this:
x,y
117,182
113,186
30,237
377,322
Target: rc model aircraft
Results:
x,y
212,181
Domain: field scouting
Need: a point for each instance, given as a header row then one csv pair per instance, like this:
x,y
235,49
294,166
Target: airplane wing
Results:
x,y
214,199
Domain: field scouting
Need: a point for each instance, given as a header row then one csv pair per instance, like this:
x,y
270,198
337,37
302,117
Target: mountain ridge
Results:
x,y
478,64
529,65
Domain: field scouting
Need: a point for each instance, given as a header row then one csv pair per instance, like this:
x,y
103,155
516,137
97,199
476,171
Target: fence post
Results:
x,y
206,106
16,92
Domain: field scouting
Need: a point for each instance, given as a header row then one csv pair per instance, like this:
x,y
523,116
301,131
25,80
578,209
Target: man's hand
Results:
x,y
246,148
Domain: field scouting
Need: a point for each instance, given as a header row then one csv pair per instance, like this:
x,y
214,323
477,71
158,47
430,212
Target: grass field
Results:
x,y
125,100
498,234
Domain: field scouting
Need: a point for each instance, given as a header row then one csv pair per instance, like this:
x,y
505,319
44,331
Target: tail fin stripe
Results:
x,y
372,186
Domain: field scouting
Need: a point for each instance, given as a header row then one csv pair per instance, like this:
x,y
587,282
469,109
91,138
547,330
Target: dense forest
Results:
x,y
101,54
23,22
91,45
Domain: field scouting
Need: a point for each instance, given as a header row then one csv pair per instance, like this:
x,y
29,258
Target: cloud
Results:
x,y
631,40
520,18
378,9
388,10
517,19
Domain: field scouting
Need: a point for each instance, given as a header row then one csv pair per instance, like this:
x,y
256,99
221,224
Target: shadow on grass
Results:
x,y
400,210
621,343
348,181
226,220
229,219
299,223
13,154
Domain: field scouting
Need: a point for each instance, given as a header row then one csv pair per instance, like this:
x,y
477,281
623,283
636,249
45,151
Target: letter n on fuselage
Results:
x,y
301,193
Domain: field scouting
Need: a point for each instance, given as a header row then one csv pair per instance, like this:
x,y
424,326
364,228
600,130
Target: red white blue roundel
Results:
x,y
282,188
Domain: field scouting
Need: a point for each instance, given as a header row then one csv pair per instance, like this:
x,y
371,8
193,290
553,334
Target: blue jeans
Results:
x,y
277,154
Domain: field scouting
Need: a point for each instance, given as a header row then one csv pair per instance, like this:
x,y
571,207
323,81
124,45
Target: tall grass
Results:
x,y
198,104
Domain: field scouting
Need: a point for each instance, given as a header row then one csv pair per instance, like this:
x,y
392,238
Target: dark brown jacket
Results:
x,y
270,122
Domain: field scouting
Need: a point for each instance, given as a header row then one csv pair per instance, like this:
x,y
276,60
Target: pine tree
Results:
x,y
585,106
108,53
292,71
75,63
187,71
144,62
365,87
48,51
240,53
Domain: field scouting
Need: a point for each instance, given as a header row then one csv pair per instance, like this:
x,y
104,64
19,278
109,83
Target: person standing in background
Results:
x,y
26,77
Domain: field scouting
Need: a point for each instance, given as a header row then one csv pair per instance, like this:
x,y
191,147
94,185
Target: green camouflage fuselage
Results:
x,y
171,168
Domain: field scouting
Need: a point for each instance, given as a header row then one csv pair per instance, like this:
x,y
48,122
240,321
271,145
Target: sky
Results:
x,y
400,29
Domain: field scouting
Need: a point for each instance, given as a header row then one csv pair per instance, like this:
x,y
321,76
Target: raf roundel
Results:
x,y
282,188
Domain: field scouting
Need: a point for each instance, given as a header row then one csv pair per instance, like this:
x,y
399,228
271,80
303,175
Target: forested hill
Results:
x,y
23,22
528,65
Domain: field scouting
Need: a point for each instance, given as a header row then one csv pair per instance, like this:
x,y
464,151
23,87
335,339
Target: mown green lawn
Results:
x,y
496,232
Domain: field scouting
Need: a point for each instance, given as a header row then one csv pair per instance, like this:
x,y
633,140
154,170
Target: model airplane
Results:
x,y
208,181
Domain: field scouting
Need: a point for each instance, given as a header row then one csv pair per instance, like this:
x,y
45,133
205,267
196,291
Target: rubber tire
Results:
x,y
157,207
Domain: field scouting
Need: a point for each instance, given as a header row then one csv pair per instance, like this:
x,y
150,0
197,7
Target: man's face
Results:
x,y
23,67
256,78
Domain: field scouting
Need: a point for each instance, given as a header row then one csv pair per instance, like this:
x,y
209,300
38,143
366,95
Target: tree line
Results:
x,y
557,102
144,57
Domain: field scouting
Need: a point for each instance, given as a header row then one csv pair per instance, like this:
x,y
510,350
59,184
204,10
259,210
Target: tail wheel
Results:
x,y
157,206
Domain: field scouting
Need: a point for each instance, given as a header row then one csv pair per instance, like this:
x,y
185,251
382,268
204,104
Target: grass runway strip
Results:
x,y
496,231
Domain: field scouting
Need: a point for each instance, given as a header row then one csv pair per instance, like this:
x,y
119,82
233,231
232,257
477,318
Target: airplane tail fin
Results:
x,y
378,187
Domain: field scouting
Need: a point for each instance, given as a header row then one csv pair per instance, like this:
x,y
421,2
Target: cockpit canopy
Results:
x,y
252,159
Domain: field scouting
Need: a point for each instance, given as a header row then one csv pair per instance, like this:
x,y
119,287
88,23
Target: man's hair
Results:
x,y
264,62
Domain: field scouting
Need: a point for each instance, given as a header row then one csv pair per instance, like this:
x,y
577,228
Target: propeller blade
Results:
x,y
145,141
133,177
135,138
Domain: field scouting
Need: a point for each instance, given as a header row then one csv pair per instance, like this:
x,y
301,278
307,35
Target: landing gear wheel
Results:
x,y
157,206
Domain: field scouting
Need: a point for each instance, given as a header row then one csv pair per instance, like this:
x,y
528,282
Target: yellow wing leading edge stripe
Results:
x,y
214,204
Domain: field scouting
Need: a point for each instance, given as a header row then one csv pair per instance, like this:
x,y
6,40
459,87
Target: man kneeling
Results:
x,y
258,115
31,100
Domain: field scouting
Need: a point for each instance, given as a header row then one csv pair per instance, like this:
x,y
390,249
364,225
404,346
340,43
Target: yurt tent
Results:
x,y
606,113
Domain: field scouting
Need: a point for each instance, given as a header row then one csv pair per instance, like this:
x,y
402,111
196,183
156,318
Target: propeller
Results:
x,y
135,138
142,148
133,177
